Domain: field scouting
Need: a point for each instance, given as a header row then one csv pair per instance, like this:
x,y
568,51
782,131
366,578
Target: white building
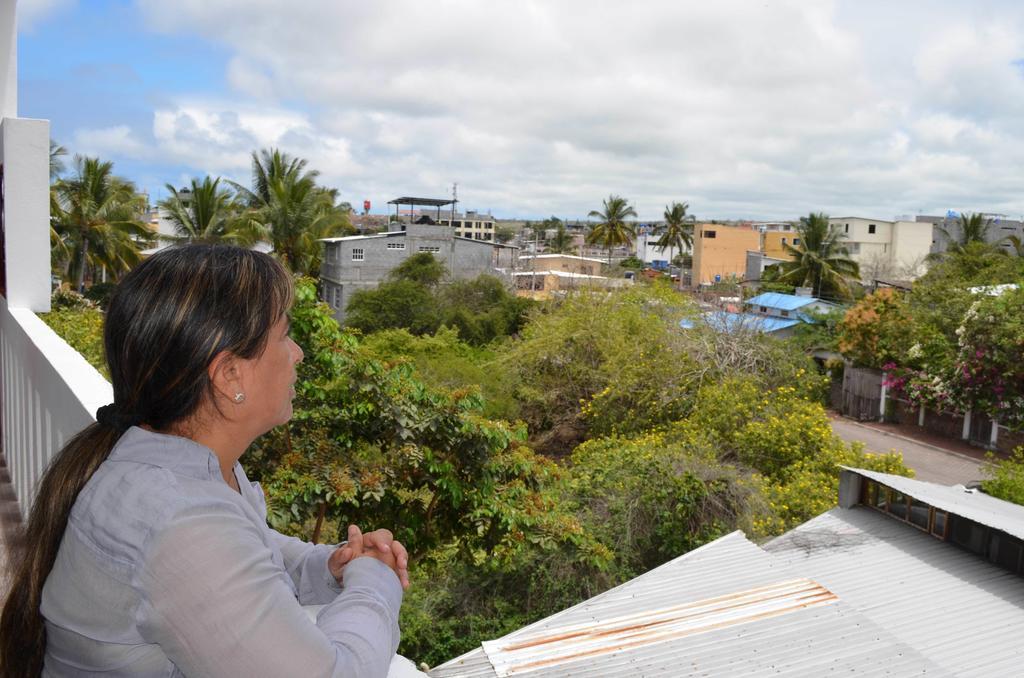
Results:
x,y
648,251
886,249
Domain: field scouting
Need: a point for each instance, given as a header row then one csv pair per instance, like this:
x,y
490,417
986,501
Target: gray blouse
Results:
x,y
164,570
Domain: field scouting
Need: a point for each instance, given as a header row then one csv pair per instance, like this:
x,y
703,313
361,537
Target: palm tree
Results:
x,y
207,212
291,211
1016,243
297,215
56,163
973,228
267,166
96,217
677,233
820,261
612,230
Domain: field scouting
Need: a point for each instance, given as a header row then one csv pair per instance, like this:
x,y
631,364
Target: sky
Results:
x,y
743,109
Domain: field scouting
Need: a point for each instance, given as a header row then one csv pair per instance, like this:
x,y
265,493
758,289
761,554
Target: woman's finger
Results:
x,y
355,540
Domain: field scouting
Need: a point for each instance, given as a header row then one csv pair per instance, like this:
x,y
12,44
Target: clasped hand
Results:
x,y
379,544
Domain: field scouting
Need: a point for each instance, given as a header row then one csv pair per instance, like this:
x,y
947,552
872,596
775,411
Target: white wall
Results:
x,y
8,59
25,156
911,243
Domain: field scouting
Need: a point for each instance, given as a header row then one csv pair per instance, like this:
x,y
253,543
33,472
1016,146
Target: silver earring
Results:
x,y
239,398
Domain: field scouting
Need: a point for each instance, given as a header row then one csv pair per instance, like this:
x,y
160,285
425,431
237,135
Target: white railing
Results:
x,y
50,393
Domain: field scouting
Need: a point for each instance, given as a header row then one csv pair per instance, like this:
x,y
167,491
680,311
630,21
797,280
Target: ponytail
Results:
x,y
22,633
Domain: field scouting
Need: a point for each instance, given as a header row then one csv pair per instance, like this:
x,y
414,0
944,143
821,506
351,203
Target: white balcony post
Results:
x,y
25,155
8,60
920,416
994,438
966,433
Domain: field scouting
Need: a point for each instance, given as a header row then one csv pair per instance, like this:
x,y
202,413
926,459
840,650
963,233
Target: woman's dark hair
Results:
x,y
165,323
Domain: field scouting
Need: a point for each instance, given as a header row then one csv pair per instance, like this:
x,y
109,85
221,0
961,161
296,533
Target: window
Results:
x,y
785,314
853,247
796,241
871,228
939,522
396,245
764,309
846,229
336,296
332,254
709,234
783,241
357,254
428,248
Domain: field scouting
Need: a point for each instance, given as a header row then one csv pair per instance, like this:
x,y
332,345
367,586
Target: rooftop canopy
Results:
x,y
431,202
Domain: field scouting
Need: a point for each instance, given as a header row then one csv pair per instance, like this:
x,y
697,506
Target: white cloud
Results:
x,y
742,108
33,12
109,141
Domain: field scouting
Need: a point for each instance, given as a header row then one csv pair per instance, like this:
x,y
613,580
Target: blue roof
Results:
x,y
783,302
730,322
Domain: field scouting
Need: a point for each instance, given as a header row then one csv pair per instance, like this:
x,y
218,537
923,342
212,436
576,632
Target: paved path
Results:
x,y
929,463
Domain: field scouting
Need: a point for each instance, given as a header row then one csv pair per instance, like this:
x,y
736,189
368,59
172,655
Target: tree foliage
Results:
x,y
207,212
95,218
612,230
293,212
677,234
414,299
1005,477
820,261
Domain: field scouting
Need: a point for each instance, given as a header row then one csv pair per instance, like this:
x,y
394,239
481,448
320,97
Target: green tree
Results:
x,y
96,217
422,268
972,228
820,261
677,233
371,444
561,242
206,212
293,212
57,153
612,229
1005,477
1017,244
392,305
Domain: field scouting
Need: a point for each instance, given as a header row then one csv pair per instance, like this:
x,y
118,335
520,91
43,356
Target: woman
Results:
x,y
148,551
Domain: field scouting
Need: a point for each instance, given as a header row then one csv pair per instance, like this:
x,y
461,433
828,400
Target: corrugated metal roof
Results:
x,y
784,302
973,505
590,640
951,606
560,274
723,321
812,641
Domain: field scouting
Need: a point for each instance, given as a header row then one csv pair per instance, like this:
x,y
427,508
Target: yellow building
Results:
x,y
720,252
773,242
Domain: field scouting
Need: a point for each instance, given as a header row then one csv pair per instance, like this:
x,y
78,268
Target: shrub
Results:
x,y
1005,477
82,328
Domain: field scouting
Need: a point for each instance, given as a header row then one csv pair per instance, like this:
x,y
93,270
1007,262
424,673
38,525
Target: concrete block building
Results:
x,y
360,262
